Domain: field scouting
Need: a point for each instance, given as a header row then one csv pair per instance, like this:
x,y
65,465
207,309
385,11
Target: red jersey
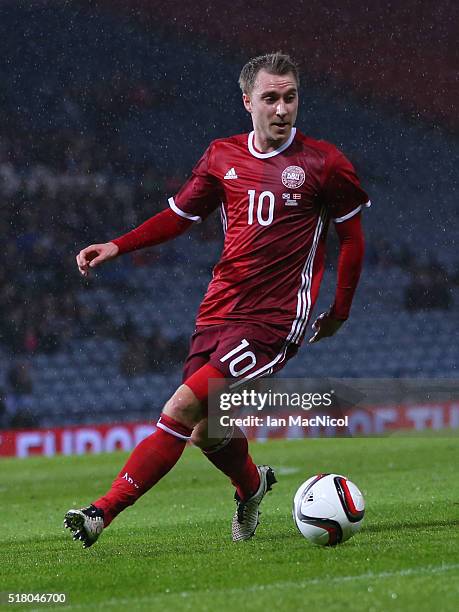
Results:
x,y
275,210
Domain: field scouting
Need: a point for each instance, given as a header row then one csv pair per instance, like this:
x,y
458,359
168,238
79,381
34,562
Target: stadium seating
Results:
x,y
84,382
407,169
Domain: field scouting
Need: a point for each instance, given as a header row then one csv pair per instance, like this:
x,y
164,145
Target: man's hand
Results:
x,y
95,254
324,326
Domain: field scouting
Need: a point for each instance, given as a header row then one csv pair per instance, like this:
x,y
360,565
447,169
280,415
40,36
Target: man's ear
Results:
x,y
247,103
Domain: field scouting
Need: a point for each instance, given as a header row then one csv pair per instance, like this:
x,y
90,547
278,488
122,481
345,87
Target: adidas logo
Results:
x,y
231,174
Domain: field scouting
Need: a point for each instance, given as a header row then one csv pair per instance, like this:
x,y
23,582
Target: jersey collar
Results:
x,y
256,153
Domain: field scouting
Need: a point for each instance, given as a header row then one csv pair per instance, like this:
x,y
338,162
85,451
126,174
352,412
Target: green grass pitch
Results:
x,y
172,550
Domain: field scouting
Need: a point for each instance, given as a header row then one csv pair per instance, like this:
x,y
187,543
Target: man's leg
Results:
x,y
247,350
230,454
234,350
252,482
227,451
152,459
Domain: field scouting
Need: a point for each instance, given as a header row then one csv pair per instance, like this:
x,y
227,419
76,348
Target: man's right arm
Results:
x,y
198,197
159,228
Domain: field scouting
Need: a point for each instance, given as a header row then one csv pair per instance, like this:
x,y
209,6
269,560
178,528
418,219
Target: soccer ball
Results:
x,y
328,509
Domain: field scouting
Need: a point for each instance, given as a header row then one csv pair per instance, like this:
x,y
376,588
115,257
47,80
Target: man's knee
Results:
x,y
184,407
199,436
203,438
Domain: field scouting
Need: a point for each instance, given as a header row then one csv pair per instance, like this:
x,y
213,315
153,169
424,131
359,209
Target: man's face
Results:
x,y
273,104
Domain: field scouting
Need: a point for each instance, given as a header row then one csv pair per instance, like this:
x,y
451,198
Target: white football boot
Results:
x,y
86,524
246,517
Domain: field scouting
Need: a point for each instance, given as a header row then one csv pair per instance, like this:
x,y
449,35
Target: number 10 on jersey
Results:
x,y
264,207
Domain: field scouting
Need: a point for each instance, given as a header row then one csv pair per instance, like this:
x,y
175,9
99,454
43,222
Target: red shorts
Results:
x,y
239,350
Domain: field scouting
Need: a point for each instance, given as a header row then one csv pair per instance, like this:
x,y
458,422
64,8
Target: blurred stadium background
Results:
x,y
104,109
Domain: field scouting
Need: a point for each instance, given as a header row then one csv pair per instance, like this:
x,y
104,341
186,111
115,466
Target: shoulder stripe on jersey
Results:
x,y
179,212
352,213
256,153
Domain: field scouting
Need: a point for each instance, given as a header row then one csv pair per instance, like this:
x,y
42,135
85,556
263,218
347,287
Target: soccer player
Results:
x,y
277,191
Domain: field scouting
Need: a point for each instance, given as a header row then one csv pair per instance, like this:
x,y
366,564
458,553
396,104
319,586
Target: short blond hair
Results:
x,y
274,63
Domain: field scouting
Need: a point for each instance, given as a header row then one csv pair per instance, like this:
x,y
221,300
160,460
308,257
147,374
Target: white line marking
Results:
x,y
285,471
414,571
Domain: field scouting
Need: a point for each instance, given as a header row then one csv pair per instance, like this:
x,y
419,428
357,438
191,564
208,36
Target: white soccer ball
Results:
x,y
328,509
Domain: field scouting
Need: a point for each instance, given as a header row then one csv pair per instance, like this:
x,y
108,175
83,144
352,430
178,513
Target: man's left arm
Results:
x,y
350,262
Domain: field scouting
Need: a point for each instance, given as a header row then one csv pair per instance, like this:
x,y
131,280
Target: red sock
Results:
x,y
148,463
232,457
